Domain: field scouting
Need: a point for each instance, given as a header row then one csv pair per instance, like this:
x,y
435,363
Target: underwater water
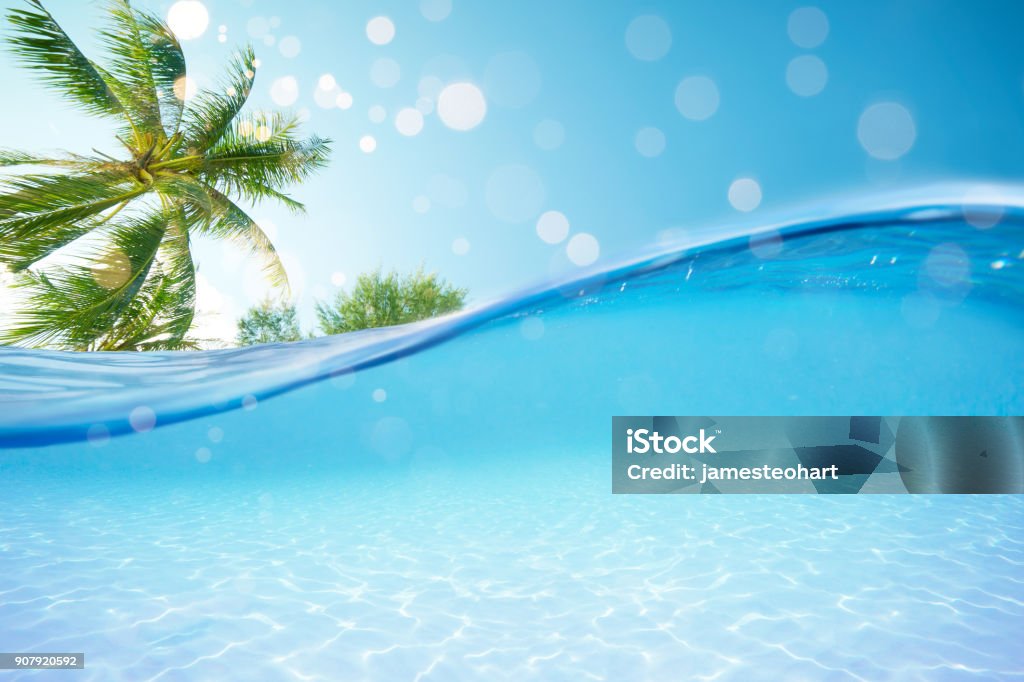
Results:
x,y
433,502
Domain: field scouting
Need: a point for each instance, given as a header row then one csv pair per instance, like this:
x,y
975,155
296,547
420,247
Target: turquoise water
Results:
x,y
433,502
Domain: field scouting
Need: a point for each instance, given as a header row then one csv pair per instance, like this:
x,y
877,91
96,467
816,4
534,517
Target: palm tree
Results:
x,y
129,222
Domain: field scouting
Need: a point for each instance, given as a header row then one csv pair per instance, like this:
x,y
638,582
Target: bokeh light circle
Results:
x,y
112,270
745,194
807,27
984,206
766,245
649,142
553,227
697,98
583,249
142,419
188,19
886,130
435,10
409,122
185,88
98,435
380,30
285,91
461,106
289,47
648,38
948,265
806,75
344,100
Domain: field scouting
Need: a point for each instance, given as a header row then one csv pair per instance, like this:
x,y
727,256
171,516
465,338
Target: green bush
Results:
x,y
383,300
269,323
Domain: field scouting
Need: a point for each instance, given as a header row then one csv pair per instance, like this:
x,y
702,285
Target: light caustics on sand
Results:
x,y
959,239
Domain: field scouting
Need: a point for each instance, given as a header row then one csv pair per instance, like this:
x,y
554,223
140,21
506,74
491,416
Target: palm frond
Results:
x,y
261,155
232,223
153,319
39,208
178,310
294,206
271,129
13,157
188,194
20,254
160,316
40,43
73,307
210,113
147,63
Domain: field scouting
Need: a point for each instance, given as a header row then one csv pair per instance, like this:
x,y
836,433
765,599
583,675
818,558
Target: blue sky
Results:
x,y
631,120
